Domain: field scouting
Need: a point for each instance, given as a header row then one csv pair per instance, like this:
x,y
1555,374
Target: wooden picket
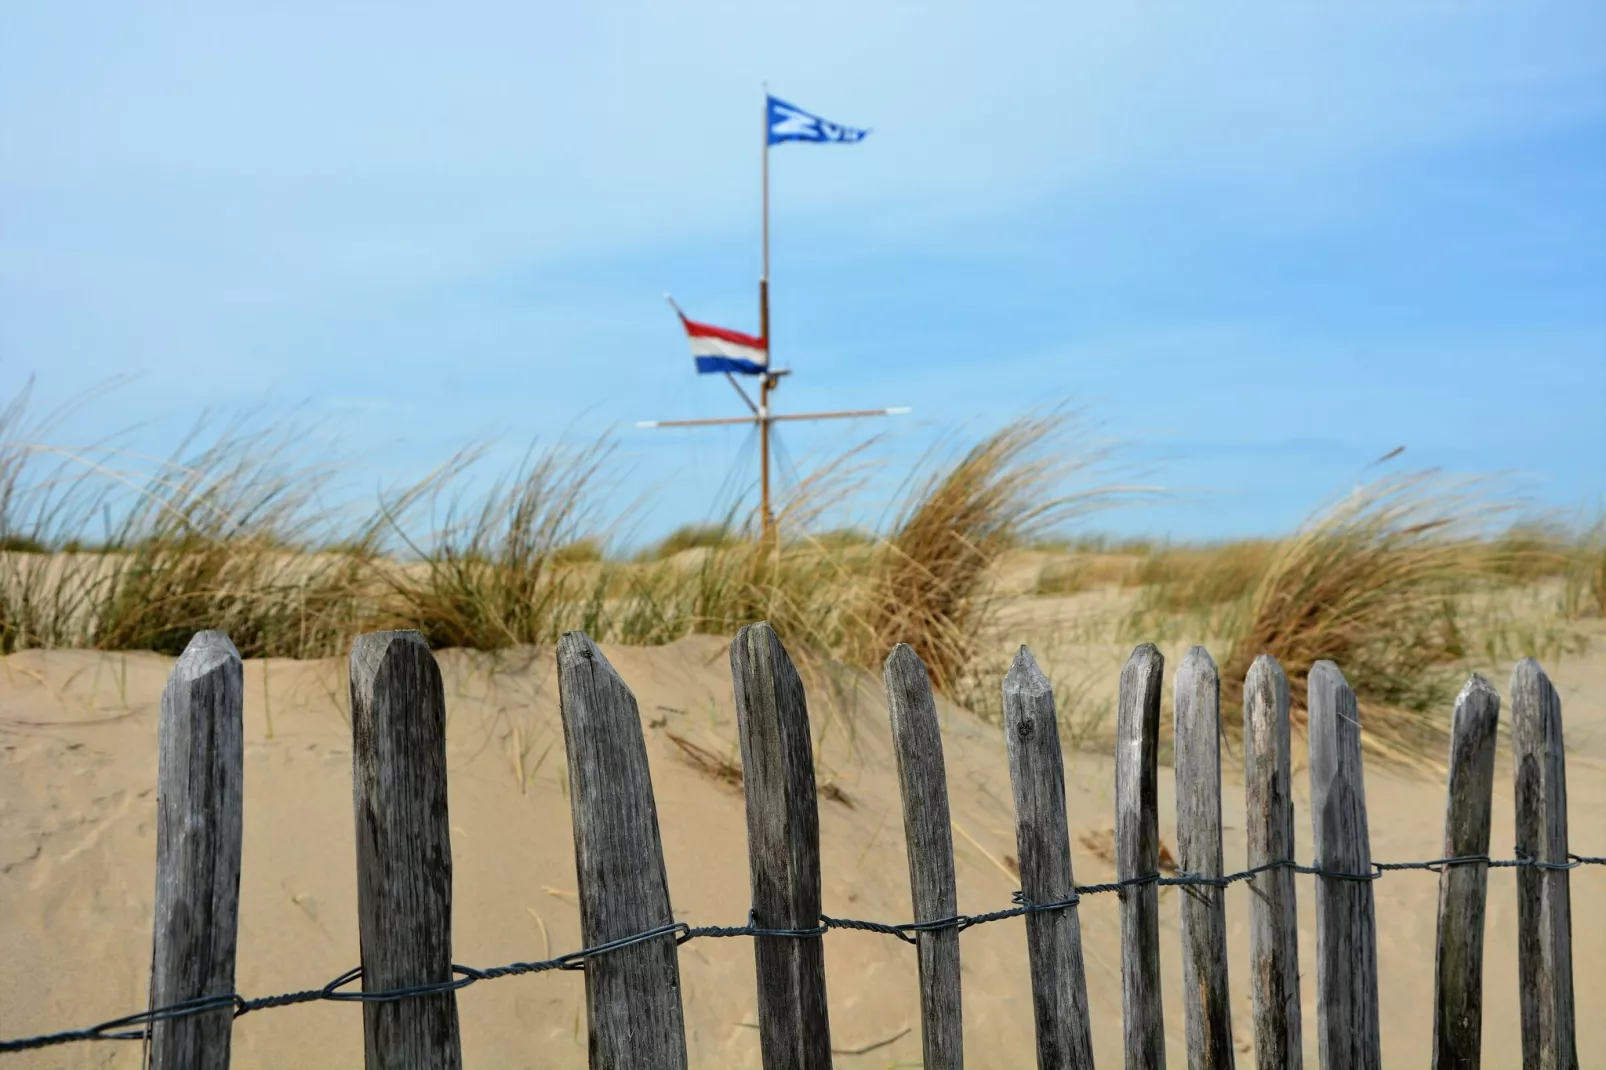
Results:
x,y
783,847
199,819
923,782
1053,937
1346,927
1137,854
635,1014
1544,907
1273,912
1205,997
404,850
1458,954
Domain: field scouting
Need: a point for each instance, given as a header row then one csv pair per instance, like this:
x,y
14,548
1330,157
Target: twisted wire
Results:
x,y
137,1026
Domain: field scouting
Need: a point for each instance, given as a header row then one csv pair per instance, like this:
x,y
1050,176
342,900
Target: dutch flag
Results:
x,y
717,349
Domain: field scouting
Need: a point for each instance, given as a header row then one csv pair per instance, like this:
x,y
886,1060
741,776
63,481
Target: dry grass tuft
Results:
x,y
1207,586
216,536
1202,576
220,538
724,769
1584,588
1595,582
506,570
929,587
794,582
1370,583
692,537
1082,571
1527,553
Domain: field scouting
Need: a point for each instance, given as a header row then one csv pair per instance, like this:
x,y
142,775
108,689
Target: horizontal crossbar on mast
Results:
x,y
899,410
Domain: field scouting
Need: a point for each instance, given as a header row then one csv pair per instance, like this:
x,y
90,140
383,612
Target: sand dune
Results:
x,y
77,846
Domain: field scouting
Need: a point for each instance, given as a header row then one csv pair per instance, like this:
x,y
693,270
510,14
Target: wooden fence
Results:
x,y
633,994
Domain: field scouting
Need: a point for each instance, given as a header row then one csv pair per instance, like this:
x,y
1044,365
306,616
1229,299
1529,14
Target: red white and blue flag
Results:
x,y
717,349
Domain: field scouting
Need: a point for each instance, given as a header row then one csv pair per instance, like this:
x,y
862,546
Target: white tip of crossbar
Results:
x,y
899,410
646,423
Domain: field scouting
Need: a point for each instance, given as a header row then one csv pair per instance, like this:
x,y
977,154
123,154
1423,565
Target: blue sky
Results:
x,y
1262,244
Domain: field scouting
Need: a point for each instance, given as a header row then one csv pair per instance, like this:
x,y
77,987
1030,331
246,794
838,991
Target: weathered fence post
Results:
x,y
928,833
1273,913
1137,854
633,1003
1053,937
1458,960
199,812
1544,910
1205,999
404,850
783,847
1346,929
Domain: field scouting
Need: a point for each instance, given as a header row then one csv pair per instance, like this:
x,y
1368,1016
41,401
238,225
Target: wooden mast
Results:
x,y
766,381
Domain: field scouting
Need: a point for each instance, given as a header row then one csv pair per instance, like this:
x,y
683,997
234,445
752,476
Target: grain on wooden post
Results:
x,y
1206,1003
633,1002
1346,931
928,832
1544,911
1458,960
1137,854
1053,937
404,850
783,847
1273,912
199,812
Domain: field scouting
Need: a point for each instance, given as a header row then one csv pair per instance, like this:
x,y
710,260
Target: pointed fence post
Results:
x,y
1137,854
783,846
1346,926
1206,1003
928,832
633,1002
404,851
199,816
1273,913
1544,910
1458,958
1053,937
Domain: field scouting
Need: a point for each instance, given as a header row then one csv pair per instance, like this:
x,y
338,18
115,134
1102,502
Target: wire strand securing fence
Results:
x,y
119,1028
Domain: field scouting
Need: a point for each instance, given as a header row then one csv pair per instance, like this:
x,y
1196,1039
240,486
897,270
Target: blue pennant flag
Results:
x,y
790,123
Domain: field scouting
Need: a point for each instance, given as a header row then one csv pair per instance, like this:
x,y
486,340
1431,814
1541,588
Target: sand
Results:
x,y
77,847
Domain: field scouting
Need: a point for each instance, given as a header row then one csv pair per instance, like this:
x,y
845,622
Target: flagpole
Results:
x,y
763,279
766,519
